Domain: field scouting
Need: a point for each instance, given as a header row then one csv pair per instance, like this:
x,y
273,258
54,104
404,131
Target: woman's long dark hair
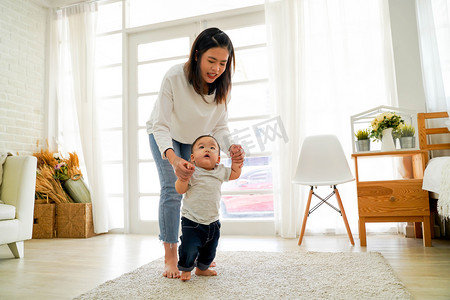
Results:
x,y
207,39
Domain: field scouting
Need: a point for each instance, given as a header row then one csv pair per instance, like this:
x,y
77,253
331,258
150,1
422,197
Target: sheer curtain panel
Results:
x,y
434,32
75,92
329,60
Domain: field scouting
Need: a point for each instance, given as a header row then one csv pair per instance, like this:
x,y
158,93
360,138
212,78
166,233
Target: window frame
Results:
x,y
225,20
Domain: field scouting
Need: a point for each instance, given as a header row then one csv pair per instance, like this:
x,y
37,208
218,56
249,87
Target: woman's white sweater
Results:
x,y
181,114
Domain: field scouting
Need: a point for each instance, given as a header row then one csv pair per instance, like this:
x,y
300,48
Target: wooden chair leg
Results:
x,y
305,217
344,216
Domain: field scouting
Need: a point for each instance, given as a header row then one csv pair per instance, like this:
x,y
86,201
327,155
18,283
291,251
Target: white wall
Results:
x,y
22,74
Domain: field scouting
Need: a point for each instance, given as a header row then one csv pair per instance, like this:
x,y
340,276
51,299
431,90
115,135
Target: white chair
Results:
x,y
17,192
322,162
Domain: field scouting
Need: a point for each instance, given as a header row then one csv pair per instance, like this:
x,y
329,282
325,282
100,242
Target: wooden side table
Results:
x,y
394,200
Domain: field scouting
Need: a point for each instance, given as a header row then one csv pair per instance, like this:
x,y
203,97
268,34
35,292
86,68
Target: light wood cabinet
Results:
x,y
394,200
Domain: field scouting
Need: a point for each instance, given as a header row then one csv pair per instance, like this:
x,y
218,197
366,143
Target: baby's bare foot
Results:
x,y
207,272
185,275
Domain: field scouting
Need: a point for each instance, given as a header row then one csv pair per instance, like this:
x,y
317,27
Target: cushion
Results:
x,y
7,212
3,157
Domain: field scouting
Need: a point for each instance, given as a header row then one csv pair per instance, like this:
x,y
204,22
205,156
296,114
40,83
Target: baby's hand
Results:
x,y
189,166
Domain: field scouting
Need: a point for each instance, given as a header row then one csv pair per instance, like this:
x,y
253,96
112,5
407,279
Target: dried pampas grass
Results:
x,y
48,187
73,165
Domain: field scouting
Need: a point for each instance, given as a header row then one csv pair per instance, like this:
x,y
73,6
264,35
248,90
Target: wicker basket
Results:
x,y
74,220
44,221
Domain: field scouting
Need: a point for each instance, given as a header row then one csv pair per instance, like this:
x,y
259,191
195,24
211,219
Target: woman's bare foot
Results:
x,y
171,269
185,275
171,261
213,264
207,272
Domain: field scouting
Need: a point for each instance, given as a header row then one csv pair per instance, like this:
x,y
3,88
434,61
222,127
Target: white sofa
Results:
x,y
17,194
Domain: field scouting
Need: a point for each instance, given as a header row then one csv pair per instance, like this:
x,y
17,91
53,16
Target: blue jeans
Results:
x,y
170,200
198,244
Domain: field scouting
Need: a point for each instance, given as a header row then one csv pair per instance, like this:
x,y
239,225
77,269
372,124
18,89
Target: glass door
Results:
x,y
247,203
151,54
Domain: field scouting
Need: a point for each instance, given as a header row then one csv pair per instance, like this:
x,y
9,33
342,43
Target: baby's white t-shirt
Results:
x,y
201,203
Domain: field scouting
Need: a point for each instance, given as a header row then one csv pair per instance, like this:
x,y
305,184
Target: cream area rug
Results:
x,y
265,275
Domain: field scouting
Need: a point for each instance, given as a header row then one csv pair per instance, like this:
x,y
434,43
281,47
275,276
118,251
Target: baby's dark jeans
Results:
x,y
198,244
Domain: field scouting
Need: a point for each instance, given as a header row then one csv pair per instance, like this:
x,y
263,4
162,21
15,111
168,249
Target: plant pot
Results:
x,y
387,140
362,145
407,142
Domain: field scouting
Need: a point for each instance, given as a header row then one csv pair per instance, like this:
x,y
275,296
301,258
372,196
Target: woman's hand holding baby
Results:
x,y
237,154
183,169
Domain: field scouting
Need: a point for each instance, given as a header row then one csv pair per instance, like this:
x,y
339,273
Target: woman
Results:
x,y
192,102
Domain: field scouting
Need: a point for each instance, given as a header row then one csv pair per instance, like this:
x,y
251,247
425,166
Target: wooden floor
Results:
x,y
65,268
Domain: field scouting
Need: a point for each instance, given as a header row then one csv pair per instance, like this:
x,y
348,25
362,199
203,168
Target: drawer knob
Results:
x,y
392,199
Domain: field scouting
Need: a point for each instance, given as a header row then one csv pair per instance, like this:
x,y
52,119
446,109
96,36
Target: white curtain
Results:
x,y
434,33
78,112
330,60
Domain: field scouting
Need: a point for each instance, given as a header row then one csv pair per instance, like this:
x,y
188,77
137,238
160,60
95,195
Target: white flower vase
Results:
x,y
387,141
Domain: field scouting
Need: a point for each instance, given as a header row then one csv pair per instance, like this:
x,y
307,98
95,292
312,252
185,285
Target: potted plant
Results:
x,y
383,127
362,140
407,138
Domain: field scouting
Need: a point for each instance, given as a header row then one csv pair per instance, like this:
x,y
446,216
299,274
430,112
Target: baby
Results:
x,y
200,225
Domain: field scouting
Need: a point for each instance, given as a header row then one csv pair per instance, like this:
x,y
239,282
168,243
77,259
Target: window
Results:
x,y
128,92
144,12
